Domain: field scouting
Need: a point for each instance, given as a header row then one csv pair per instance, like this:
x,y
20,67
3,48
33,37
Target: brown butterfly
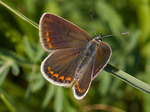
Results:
x,y
75,58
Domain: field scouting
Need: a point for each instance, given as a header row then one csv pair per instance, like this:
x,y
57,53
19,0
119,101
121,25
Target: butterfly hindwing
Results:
x,y
59,67
103,55
58,33
82,85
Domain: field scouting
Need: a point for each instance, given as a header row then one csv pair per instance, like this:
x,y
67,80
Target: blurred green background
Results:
x,y
22,86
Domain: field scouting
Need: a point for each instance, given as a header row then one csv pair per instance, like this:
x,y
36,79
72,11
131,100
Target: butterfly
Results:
x,y
75,59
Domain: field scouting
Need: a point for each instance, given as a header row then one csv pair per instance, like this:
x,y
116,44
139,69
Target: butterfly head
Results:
x,y
98,38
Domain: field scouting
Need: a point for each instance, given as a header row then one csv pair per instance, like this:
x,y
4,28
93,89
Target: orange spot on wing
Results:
x,y
68,78
100,66
47,33
48,68
51,72
50,45
79,89
62,77
48,39
97,69
56,75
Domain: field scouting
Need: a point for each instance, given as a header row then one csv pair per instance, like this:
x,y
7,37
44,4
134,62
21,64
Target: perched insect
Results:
x,y
75,58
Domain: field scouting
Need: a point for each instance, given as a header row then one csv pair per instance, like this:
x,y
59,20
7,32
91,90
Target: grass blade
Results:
x,y
7,103
20,15
49,95
128,78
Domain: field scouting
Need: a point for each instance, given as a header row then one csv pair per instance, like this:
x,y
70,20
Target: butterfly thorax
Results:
x,y
89,55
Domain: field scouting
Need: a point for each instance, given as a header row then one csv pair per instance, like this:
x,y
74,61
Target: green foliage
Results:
x,y
23,88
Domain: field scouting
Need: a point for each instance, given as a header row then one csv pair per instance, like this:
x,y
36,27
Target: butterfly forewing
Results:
x,y
102,57
59,67
58,33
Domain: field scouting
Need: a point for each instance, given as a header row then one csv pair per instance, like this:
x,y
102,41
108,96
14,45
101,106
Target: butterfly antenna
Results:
x,y
115,34
93,22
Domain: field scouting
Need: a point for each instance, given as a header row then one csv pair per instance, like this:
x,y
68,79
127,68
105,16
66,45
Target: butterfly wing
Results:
x,y
82,86
102,57
58,33
59,67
